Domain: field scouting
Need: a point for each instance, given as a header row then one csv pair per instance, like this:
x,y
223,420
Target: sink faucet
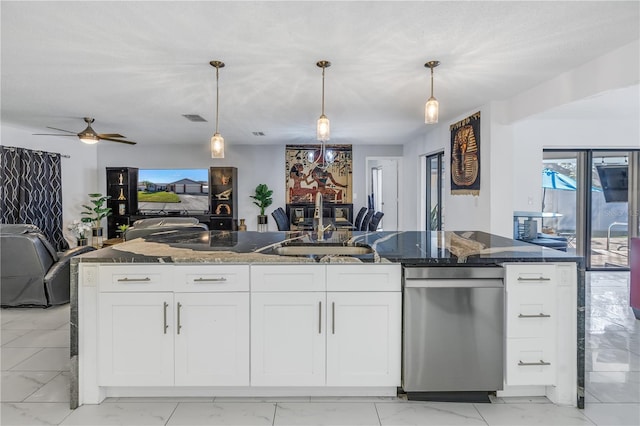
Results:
x,y
317,217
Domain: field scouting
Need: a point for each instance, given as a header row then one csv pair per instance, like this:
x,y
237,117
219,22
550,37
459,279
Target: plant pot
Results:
x,y
81,242
262,223
96,237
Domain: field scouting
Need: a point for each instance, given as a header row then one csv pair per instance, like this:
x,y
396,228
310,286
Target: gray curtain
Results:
x,y
31,191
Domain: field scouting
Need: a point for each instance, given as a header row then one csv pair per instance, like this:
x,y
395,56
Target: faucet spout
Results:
x,y
317,216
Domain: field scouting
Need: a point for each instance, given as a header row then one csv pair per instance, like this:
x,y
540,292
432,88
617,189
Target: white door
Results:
x,y
212,339
135,343
382,184
363,339
288,339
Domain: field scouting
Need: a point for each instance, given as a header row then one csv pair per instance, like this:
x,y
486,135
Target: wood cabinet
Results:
x,y
302,335
190,328
122,186
223,198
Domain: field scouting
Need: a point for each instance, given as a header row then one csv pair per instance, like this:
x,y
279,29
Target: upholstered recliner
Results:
x,y
33,273
143,227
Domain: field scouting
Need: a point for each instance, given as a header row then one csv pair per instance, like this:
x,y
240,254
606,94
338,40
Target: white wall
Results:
x,y
79,173
256,164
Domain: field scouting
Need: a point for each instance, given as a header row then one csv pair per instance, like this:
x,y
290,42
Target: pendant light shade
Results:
x,y
431,108
217,141
323,129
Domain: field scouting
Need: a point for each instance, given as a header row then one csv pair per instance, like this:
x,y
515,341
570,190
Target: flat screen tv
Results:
x,y
615,183
173,191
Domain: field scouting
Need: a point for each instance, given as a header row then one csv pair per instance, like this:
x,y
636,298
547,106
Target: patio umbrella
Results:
x,y
554,180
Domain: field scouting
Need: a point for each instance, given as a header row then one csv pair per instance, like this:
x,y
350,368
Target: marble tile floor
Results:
x,y
35,383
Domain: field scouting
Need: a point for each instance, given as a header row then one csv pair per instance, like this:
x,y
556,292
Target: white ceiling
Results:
x,y
138,66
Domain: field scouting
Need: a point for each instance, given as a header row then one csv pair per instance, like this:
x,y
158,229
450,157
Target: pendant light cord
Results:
x,y
432,82
323,68
218,97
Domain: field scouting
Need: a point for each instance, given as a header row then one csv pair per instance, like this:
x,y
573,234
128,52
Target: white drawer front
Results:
x,y
138,277
288,278
211,278
365,277
531,362
532,318
530,276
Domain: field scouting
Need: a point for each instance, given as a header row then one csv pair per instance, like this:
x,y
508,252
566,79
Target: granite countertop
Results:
x,y
407,247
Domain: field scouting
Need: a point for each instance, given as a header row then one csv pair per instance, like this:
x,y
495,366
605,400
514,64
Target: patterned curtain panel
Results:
x,y
31,191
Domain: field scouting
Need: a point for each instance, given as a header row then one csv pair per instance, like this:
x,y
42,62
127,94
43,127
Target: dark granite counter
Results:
x,y
407,247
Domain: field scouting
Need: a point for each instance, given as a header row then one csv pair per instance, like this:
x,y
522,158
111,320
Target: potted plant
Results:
x,y
94,214
80,231
263,200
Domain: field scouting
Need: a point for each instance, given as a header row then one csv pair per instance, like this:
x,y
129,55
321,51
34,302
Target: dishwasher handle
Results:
x,y
454,283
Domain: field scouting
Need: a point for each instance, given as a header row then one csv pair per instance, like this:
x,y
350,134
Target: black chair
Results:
x,y
375,220
281,218
359,217
364,226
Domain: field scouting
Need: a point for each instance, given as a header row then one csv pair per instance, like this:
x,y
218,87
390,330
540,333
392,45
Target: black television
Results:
x,y
173,191
615,182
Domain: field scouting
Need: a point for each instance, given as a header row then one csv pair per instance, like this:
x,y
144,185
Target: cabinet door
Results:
x,y
212,339
363,339
288,339
135,341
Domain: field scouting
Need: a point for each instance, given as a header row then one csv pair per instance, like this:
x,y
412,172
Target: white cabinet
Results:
x,y
188,337
531,324
135,341
363,338
304,336
288,339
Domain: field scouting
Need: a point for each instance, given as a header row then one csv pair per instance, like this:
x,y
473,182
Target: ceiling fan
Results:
x,y
89,135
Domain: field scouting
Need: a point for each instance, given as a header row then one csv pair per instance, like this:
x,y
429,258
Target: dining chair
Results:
x,y
375,221
364,226
359,217
281,218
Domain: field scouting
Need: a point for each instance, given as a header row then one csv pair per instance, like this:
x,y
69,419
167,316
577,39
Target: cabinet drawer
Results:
x,y
531,362
288,278
363,277
139,277
530,276
211,278
531,318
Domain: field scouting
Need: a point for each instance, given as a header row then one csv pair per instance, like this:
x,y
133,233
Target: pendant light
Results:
x,y
217,141
431,108
323,128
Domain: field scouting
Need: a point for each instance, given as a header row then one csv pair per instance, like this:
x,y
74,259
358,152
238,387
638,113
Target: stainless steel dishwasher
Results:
x,y
453,332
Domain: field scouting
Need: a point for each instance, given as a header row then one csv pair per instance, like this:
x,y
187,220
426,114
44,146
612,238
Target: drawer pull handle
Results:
x,y
133,280
333,317
204,280
534,279
166,305
540,315
319,317
529,364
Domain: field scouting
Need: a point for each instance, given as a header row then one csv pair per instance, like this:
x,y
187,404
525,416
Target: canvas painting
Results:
x,y
465,156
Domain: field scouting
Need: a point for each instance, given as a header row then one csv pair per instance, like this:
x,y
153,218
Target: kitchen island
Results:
x,y
278,313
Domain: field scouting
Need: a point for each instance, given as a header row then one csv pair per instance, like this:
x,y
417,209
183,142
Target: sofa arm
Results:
x,y
75,251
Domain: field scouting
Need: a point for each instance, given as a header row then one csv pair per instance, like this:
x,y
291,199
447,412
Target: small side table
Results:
x,y
112,242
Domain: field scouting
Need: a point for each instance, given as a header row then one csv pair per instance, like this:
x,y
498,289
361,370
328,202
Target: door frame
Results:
x,y
370,163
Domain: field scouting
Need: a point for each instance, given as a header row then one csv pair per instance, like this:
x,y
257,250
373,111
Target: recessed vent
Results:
x,y
193,117
258,133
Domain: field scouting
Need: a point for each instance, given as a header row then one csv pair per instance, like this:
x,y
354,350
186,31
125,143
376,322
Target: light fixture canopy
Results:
x,y
323,129
431,108
217,141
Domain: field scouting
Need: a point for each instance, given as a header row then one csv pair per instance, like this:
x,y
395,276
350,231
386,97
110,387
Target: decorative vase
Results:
x,y
242,226
262,223
81,242
96,237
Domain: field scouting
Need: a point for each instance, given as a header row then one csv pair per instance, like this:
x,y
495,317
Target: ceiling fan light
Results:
x,y
217,146
323,132
88,138
431,111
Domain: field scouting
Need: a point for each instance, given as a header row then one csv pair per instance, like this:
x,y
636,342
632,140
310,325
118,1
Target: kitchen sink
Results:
x,y
322,250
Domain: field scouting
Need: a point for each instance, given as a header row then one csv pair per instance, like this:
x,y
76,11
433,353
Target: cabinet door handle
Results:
x,y
534,279
166,305
540,315
319,317
203,280
529,364
179,326
333,317
132,280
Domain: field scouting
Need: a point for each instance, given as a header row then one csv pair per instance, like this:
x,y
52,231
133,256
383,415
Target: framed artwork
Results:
x,y
465,156
307,173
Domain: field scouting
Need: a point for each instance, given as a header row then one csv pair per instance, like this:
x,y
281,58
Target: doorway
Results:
x,y
383,192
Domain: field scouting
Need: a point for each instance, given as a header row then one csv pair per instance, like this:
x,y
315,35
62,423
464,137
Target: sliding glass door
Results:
x,y
435,187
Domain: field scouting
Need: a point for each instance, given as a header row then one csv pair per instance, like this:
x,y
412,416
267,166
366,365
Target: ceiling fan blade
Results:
x,y
51,134
109,135
118,140
62,130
